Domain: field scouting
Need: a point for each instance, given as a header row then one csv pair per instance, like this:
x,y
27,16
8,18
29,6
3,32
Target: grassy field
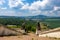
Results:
x,y
30,25
52,23
45,24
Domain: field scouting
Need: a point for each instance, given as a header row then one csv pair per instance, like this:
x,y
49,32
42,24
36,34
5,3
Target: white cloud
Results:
x,y
49,13
2,1
39,3
14,3
34,9
4,12
26,6
36,5
3,8
56,8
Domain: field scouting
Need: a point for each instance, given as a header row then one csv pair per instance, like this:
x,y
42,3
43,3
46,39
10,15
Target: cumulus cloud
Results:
x,y
56,8
2,2
44,7
35,5
3,8
15,3
4,12
39,4
26,6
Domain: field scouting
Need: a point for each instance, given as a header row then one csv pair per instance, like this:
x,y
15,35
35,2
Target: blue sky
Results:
x,y
29,7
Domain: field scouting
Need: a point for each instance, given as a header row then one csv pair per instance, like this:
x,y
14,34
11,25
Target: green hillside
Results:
x,y
52,23
30,24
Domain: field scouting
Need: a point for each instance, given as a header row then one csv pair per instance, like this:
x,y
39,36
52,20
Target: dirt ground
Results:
x,y
30,36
